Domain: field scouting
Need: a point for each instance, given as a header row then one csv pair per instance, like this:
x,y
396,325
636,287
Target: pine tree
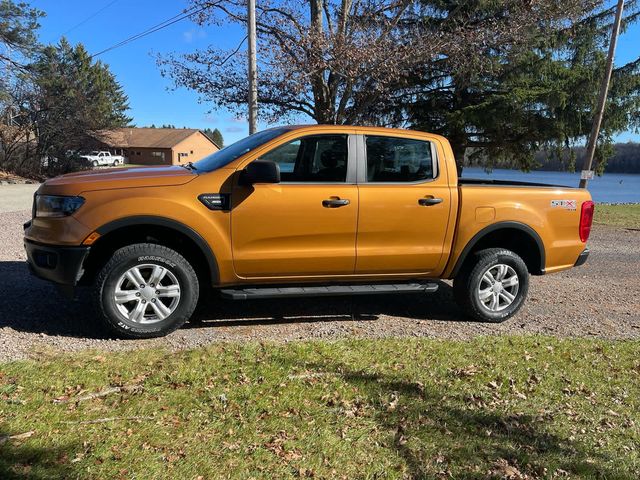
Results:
x,y
75,98
215,135
18,26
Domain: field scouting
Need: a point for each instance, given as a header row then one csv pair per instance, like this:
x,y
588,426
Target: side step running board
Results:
x,y
327,291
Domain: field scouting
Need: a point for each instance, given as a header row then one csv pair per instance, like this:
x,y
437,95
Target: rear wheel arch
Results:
x,y
150,229
515,236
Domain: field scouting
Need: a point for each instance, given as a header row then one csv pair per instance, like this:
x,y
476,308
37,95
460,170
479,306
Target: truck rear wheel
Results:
x,y
145,290
493,285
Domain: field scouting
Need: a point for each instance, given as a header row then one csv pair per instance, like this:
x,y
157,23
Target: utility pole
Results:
x,y
602,99
253,74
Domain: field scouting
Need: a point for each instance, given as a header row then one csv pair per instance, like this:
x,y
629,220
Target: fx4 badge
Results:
x,y
566,204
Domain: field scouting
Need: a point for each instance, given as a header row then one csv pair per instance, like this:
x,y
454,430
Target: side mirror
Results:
x,y
260,171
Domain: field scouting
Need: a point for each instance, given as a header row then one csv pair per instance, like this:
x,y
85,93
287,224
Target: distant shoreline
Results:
x,y
537,170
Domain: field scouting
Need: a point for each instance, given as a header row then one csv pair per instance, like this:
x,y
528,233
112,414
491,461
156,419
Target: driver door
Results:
x,y
304,226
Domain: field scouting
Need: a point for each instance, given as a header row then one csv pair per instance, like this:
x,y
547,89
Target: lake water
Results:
x,y
610,188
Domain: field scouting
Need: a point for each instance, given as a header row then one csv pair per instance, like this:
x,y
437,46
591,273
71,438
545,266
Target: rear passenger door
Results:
x,y
405,204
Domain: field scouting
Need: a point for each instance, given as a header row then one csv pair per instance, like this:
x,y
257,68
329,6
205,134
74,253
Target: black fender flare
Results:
x,y
500,226
139,220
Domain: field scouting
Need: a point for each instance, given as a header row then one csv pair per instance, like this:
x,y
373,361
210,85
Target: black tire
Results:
x,y
145,254
116,163
466,285
94,163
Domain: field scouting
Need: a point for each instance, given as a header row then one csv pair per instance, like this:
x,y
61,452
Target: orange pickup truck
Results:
x,y
301,211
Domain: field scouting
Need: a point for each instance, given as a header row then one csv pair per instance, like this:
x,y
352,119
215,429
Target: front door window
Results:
x,y
316,159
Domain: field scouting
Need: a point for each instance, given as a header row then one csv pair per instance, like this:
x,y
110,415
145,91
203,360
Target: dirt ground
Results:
x,y
601,298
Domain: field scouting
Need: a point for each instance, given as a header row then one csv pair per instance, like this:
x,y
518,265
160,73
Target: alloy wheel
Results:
x,y
147,293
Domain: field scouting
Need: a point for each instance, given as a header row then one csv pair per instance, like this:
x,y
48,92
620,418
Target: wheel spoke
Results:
x,y
494,302
485,294
135,277
502,271
487,277
160,310
124,296
157,275
169,291
137,314
511,281
507,296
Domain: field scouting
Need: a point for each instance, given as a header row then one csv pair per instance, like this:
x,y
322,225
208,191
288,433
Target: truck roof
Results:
x,y
358,128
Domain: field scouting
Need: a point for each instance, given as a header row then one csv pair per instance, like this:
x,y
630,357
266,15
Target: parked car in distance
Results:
x,y
301,211
102,158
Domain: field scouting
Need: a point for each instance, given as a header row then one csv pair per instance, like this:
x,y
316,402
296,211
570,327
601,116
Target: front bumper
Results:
x,y
62,265
582,258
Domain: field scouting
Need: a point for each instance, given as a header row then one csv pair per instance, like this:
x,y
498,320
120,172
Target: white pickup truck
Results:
x,y
103,158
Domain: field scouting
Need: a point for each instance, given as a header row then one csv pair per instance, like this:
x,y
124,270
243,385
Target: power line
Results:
x,y
93,15
155,28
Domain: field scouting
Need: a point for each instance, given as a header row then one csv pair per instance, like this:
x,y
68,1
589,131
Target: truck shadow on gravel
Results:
x,y
229,313
28,304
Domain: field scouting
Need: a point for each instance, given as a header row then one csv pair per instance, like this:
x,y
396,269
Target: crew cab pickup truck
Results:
x,y
301,211
103,158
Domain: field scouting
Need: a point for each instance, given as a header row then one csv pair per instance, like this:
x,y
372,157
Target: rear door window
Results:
x,y
399,160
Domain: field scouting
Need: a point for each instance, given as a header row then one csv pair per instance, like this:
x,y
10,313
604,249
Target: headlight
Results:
x,y
56,206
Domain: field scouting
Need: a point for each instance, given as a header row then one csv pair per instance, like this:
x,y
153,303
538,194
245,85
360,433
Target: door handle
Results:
x,y
335,202
429,201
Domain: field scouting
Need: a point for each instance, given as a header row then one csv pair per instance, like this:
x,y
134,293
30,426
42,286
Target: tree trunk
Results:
x,y
322,110
457,145
457,130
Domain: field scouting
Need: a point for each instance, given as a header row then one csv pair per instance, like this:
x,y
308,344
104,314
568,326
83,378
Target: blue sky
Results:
x,y
150,96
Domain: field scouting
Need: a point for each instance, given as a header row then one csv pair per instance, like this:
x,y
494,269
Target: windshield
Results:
x,y
228,154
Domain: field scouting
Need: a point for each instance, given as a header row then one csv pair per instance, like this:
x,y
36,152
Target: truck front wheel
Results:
x,y
492,286
145,290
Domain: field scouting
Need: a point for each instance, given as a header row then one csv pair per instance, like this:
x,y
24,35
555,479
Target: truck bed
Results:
x,y
505,183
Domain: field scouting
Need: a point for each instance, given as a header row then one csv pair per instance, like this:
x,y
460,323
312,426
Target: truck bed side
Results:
x,y
522,216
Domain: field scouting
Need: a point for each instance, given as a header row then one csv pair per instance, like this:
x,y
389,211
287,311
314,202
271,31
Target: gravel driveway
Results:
x,y
601,299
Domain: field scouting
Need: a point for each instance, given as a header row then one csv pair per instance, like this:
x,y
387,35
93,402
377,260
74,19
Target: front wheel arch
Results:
x,y
150,229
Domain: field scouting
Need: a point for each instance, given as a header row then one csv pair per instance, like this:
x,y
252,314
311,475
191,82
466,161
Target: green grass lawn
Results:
x,y
520,407
618,215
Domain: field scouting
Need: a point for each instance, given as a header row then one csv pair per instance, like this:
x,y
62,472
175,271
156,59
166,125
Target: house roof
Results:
x,y
146,137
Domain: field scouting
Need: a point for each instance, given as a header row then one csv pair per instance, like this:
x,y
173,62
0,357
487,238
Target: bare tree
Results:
x,y
338,61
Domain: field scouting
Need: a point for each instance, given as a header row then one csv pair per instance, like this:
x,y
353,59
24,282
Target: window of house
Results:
x,y
391,159
316,158
159,155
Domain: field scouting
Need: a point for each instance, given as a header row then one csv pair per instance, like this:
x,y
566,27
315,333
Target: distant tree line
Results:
x,y
625,159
